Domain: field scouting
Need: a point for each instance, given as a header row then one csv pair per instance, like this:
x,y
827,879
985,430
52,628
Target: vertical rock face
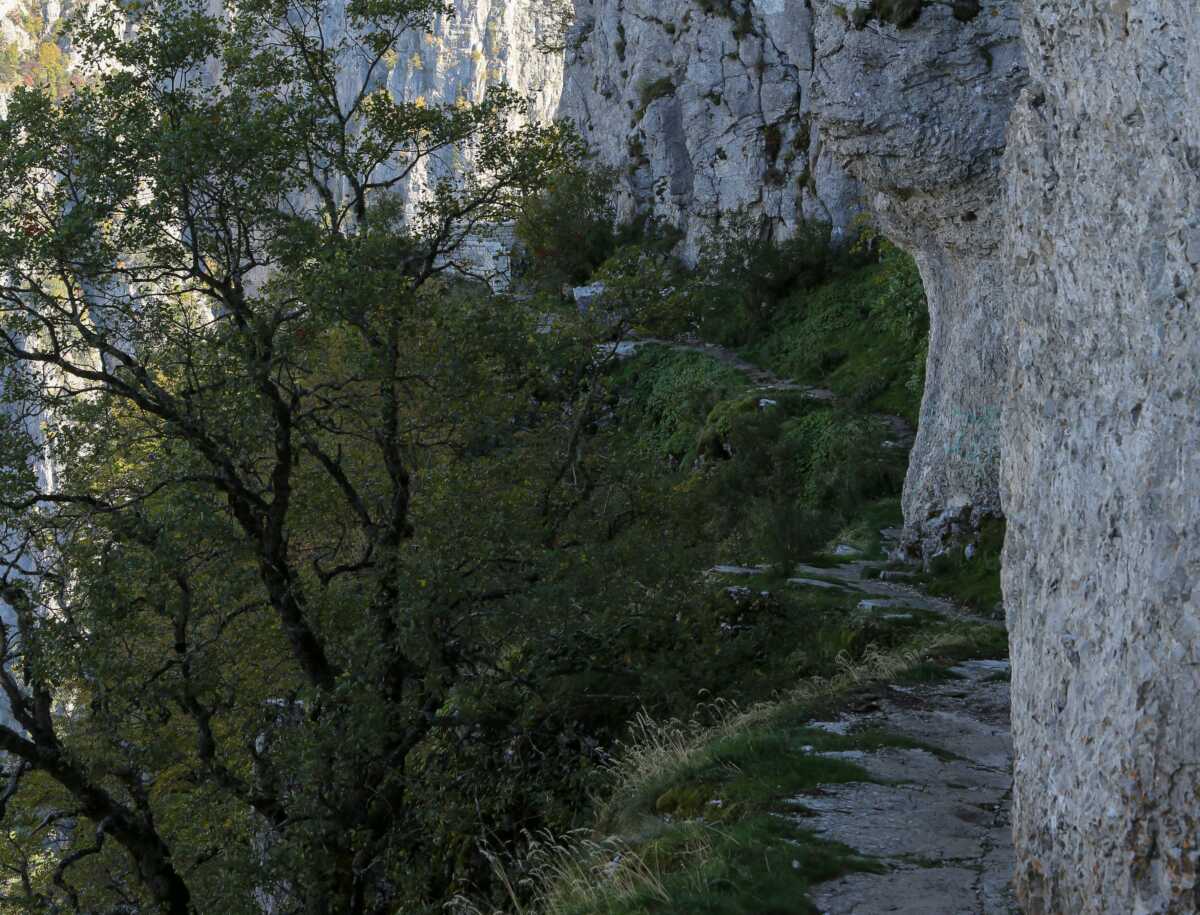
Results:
x,y
1102,457
918,115
703,107
485,43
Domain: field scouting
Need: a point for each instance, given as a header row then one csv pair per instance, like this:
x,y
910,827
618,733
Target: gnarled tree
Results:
x,y
230,662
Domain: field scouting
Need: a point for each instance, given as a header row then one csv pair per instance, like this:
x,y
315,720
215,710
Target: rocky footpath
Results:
x,y
933,817
936,814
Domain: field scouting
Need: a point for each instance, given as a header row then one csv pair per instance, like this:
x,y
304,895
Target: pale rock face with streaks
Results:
x,y
704,112
919,115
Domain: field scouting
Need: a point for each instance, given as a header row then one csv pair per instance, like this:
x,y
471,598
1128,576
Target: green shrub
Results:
x,y
669,395
973,581
652,91
743,274
864,334
569,229
901,13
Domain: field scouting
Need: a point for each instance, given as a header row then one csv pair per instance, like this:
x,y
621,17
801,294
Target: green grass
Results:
x,y
751,772
862,335
762,865
928,672
712,819
668,395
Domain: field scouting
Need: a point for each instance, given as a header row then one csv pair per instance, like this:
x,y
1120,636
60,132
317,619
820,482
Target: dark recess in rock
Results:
x,y
965,10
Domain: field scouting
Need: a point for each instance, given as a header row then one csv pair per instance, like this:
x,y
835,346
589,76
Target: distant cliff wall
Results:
x,y
485,43
703,107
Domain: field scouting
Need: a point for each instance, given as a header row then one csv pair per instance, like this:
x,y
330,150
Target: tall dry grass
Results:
x,y
582,873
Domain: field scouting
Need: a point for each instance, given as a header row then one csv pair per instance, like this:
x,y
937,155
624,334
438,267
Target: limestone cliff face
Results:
x,y
704,108
918,116
1102,457
485,43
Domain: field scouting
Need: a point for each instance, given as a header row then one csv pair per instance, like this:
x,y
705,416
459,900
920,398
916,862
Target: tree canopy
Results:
x,y
278,481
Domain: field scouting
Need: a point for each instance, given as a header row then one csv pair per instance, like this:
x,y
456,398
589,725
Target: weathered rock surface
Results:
x,y
1102,457
703,109
918,116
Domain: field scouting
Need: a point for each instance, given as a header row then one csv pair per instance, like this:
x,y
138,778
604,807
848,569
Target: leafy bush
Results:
x,y
864,333
668,396
569,229
652,91
743,274
570,234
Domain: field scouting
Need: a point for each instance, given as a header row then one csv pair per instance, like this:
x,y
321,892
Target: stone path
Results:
x,y
762,379
938,822
936,819
891,594
765,381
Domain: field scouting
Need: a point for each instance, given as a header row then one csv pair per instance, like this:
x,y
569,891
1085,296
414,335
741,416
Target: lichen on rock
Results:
x,y
1102,458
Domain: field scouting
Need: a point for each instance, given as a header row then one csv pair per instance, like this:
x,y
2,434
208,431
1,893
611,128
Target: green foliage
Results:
x,y
779,479
743,275
348,562
864,335
568,229
708,820
640,283
974,581
901,13
669,395
259,609
905,13
966,10
652,91
10,62
44,63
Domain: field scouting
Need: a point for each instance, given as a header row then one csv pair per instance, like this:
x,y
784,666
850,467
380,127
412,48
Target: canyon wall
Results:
x,y
485,43
1059,241
1102,457
703,107
918,116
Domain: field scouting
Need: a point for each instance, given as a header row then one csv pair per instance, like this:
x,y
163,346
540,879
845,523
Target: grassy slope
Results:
x,y
711,819
862,335
692,824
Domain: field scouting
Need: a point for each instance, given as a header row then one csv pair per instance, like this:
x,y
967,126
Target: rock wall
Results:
x,y
918,116
485,43
703,107
1102,457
